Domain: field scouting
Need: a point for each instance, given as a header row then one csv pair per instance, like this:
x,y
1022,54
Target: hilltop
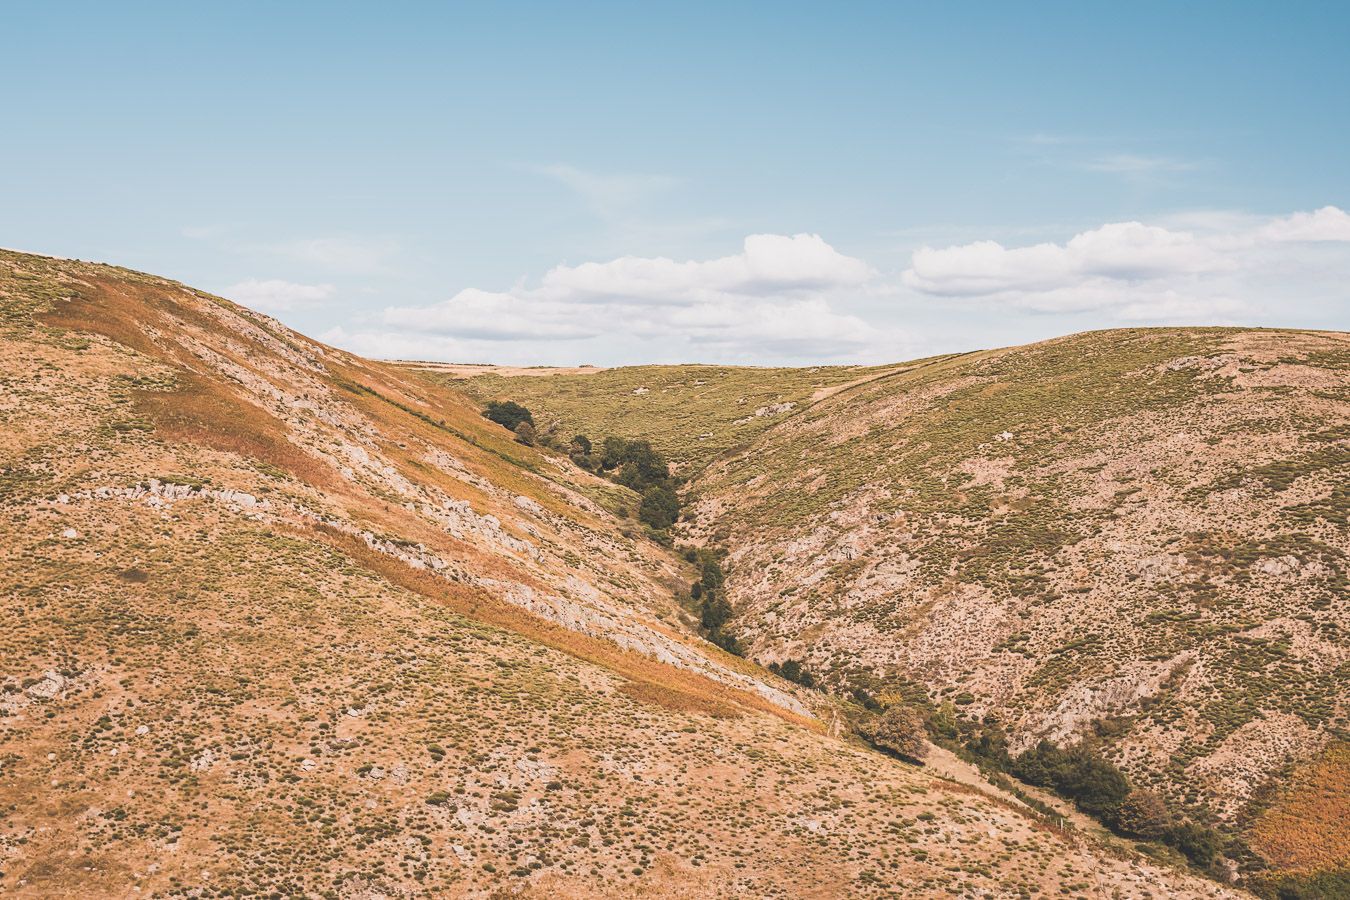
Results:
x,y
1133,541
284,621
691,414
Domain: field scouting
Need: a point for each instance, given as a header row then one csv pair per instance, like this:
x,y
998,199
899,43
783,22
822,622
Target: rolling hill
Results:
x,y
282,621
1133,541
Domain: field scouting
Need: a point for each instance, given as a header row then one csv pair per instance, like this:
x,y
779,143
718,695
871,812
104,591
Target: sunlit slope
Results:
x,y
281,621
1139,536
689,413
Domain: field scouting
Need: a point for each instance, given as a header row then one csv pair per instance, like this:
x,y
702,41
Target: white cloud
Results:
x,y
1217,269
489,316
768,264
1323,225
774,300
1128,251
275,295
785,299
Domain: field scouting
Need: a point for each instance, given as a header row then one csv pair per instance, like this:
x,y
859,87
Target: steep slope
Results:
x,y
283,621
1137,536
1134,537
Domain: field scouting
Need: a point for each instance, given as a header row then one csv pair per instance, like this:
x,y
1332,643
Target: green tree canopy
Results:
x,y
508,414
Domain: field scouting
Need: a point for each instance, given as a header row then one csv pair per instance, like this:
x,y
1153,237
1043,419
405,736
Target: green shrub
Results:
x,y
507,414
1144,814
660,507
1198,843
793,670
1094,785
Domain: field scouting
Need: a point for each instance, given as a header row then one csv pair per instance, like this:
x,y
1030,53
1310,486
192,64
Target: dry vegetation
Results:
x,y
283,622
1306,831
1137,539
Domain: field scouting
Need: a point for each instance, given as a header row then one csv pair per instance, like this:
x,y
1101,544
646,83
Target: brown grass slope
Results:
x,y
280,621
1136,536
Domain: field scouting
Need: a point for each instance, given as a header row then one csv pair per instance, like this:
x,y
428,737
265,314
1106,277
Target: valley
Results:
x,y
285,621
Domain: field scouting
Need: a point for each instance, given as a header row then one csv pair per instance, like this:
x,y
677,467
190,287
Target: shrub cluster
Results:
x,y
1092,782
709,592
508,414
899,730
634,464
1096,786
793,670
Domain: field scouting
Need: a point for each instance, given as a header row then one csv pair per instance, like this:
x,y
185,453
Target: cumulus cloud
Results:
x,y
1139,271
275,295
795,299
1327,224
774,300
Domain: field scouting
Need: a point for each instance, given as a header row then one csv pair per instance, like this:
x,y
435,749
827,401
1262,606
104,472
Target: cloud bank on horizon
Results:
x,y
787,299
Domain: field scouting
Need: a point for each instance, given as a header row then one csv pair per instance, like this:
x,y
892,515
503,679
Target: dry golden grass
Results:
x,y
1308,828
200,411
650,680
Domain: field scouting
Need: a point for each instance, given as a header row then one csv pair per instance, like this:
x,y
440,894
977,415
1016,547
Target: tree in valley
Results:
x,y
508,414
899,730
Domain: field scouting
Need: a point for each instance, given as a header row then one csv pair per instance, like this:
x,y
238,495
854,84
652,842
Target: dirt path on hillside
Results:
x,y
833,389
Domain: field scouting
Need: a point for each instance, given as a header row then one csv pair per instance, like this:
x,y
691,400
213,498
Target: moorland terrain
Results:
x,y
1132,542
282,621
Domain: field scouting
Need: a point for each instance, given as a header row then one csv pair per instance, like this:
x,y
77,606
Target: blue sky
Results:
x,y
565,183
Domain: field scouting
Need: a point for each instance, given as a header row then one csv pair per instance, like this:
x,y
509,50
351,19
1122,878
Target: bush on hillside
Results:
x,y
715,613
727,641
942,723
508,414
793,670
899,730
579,450
640,466
866,700
1144,814
525,433
1095,785
660,507
713,607
1198,843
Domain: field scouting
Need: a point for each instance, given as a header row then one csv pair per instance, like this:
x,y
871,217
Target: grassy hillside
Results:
x,y
691,414
280,621
1131,540
1136,539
